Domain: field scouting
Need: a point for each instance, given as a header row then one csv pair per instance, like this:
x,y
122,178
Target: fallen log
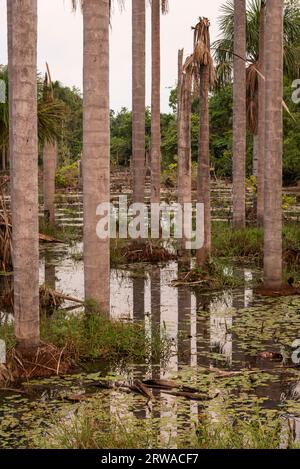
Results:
x,y
49,239
166,387
168,384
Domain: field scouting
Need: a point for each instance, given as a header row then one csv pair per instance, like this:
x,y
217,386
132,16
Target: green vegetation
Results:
x,y
66,234
256,433
248,244
91,336
214,275
51,115
67,176
94,428
229,243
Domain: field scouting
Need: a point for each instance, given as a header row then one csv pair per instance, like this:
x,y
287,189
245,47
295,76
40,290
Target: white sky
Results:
x,y
60,43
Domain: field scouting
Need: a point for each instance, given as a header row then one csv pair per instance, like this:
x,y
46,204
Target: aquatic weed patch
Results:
x,y
97,336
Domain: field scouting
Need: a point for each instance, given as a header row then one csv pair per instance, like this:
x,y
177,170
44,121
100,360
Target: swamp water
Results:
x,y
212,333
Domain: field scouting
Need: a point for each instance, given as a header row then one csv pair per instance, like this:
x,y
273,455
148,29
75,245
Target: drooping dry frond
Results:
x,y
202,54
252,98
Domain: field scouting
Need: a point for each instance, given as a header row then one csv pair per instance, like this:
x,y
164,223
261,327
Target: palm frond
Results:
x,y
223,47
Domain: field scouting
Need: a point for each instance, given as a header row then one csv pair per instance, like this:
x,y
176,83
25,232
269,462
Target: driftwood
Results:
x,y
147,251
168,384
58,297
49,239
166,387
48,298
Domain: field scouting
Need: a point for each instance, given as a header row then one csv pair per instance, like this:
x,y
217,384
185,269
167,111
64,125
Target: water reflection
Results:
x,y
202,327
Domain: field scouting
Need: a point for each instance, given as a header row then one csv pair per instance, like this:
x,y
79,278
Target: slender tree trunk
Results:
x,y
49,168
184,146
261,120
255,155
10,73
179,89
24,152
273,145
203,180
155,110
96,148
138,98
239,116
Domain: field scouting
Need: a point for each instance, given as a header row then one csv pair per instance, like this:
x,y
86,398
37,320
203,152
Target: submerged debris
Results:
x,y
147,252
212,275
47,360
49,299
53,299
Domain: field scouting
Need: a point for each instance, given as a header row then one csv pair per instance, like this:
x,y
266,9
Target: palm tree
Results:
x,y
9,49
179,85
204,76
50,114
138,98
24,152
273,145
49,170
261,118
49,162
157,6
239,115
96,147
184,139
254,57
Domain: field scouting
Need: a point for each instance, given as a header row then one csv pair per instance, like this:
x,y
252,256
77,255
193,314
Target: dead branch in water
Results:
x,y
147,252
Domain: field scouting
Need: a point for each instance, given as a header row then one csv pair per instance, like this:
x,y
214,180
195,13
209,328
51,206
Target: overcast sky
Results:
x,y
60,43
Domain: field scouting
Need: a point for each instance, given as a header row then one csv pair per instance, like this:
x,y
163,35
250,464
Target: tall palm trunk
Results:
x,y
261,119
273,144
49,169
184,146
24,152
203,180
9,61
205,75
155,108
96,148
138,97
179,85
239,115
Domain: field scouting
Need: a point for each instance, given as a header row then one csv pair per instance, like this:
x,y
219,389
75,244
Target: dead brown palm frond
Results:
x,y
252,98
202,54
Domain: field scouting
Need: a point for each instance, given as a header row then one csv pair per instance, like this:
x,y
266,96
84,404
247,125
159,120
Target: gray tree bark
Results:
x,y
96,148
239,116
24,153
